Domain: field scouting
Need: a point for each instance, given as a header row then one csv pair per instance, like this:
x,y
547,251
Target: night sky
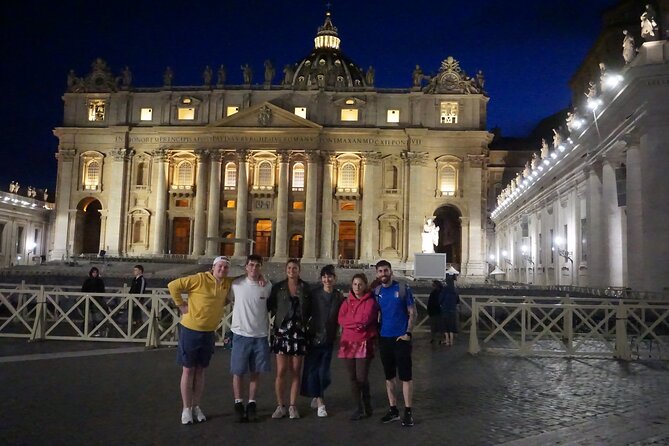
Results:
x,y
528,50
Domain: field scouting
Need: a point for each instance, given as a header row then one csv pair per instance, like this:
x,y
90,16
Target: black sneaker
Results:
x,y
251,412
241,413
357,414
407,420
391,415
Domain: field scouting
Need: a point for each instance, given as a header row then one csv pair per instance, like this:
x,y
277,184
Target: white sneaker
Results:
x,y
322,412
293,413
187,416
198,415
280,412
314,403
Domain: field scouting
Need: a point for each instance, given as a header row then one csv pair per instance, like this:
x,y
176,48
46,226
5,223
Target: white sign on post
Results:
x,y
430,266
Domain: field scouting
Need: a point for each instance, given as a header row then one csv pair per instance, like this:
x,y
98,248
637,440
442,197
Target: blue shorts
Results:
x,y
249,355
195,347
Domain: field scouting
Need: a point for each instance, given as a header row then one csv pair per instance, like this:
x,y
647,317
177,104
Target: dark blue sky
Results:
x,y
527,49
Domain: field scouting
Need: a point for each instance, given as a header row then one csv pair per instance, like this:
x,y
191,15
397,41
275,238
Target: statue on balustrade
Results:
x,y
649,28
430,236
629,51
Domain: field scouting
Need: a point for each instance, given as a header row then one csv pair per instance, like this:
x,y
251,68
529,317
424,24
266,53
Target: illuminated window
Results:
x,y
230,204
298,176
230,176
231,110
186,113
348,178
350,101
349,114
182,203
347,206
184,174
449,113
145,114
265,173
393,116
92,175
96,110
298,205
447,180
301,112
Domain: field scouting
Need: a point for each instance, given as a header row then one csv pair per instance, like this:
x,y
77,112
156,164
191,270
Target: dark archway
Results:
x,y
87,227
450,233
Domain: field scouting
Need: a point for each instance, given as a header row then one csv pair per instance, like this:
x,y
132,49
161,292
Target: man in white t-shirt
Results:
x,y
250,328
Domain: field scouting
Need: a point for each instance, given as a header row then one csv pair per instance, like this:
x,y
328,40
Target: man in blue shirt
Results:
x,y
398,315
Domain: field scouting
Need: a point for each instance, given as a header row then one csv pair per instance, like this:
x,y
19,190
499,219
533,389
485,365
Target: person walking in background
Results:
x,y
448,302
434,313
138,286
250,328
95,284
358,317
398,315
326,301
290,304
200,316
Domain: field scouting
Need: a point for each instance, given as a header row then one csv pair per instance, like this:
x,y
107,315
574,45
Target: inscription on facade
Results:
x,y
268,139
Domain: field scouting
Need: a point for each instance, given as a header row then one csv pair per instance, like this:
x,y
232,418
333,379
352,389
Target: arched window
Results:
x,y
230,176
184,173
298,176
265,173
92,176
348,178
295,246
447,180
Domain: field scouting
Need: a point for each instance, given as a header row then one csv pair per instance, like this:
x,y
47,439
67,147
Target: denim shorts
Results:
x,y
195,348
249,355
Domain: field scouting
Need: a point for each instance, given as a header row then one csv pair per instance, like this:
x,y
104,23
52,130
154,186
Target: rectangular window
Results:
x,y
298,205
393,116
449,113
19,240
347,206
145,114
552,240
301,112
186,113
584,240
231,110
182,203
96,110
2,236
230,204
349,114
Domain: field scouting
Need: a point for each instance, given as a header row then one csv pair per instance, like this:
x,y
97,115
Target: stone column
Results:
x,y
214,205
118,171
369,229
414,190
473,188
159,220
201,186
281,228
67,180
311,211
241,249
326,222
464,228
613,218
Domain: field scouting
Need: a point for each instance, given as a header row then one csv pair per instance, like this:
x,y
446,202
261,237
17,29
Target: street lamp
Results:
x,y
560,247
525,255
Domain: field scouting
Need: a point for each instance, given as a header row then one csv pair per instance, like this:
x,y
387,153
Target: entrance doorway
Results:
x,y
296,246
347,240
87,227
262,235
227,249
180,235
450,233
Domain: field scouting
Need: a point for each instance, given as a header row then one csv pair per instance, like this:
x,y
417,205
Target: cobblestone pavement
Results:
x,y
57,393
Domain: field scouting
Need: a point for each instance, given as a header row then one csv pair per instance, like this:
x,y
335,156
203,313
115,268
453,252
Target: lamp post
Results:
x,y
561,248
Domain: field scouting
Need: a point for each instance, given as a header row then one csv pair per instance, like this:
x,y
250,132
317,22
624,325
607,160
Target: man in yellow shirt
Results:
x,y
200,316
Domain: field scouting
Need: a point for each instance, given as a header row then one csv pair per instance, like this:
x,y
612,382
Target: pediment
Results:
x,y
265,115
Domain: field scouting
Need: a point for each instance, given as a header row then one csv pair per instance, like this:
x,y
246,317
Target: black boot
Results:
x,y
367,399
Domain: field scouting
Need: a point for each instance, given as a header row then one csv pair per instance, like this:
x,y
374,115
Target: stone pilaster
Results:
x,y
281,228
327,240
117,189
66,181
311,208
369,229
473,187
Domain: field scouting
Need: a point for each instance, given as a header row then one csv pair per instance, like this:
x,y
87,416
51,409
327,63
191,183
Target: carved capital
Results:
x,y
476,160
329,158
371,158
66,155
632,139
202,155
121,154
243,156
283,156
415,158
160,155
312,156
216,156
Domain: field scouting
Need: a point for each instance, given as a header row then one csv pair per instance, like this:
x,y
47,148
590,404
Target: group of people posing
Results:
x,y
302,337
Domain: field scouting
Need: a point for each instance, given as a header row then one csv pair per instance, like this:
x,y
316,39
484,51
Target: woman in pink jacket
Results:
x,y
358,317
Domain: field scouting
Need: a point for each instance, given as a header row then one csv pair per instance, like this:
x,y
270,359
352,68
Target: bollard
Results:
x,y
622,343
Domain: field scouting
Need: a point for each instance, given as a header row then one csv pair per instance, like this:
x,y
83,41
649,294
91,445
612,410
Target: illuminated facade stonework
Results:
x,y
320,164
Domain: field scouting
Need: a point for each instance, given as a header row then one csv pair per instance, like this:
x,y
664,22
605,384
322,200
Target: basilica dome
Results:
x,y
326,66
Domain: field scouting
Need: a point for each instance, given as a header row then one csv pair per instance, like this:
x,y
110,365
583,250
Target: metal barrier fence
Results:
x,y
624,329
620,328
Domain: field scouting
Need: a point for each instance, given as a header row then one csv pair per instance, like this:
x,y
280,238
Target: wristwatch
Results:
x,y
408,333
